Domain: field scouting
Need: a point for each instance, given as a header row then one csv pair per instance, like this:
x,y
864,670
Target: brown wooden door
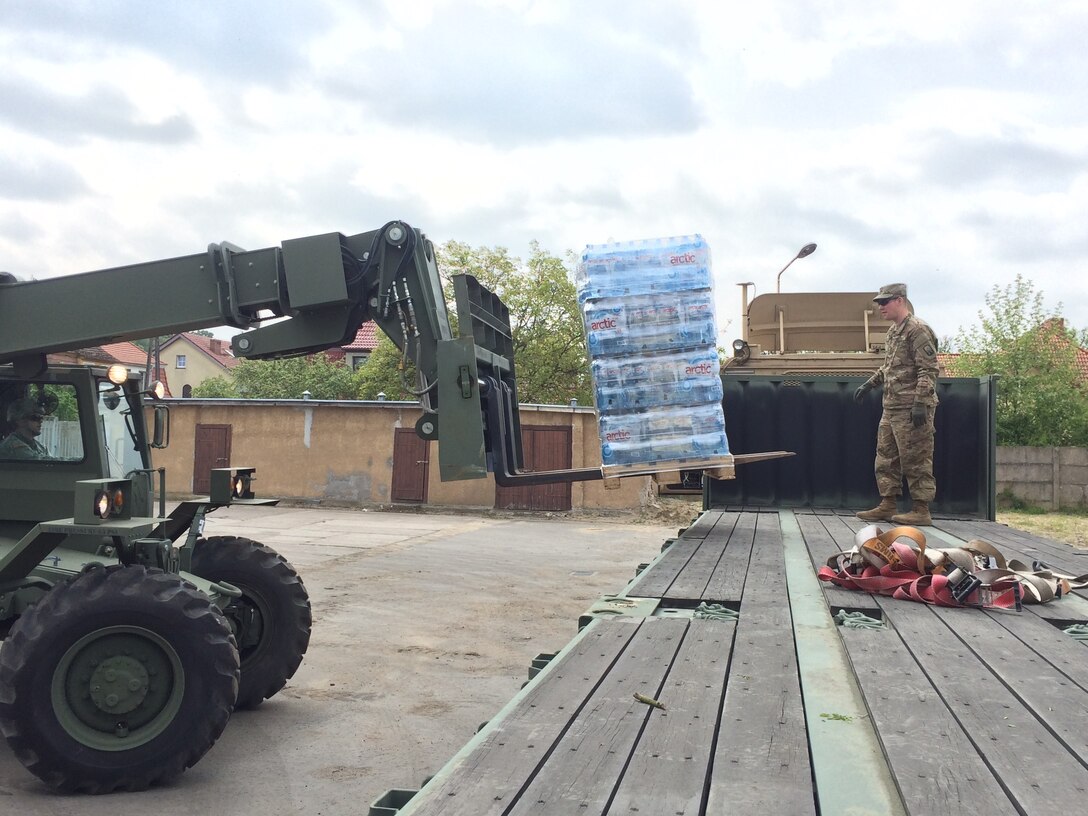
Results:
x,y
411,456
545,447
211,450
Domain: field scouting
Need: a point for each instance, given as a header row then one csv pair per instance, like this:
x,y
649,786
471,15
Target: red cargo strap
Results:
x,y
898,563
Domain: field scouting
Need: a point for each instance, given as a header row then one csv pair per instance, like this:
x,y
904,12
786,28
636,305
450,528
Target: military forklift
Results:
x,y
130,636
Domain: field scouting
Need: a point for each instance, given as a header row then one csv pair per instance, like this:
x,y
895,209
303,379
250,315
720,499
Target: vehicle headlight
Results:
x,y
231,484
98,500
102,504
241,486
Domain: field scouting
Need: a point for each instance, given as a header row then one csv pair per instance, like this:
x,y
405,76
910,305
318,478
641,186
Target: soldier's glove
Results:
x,y
918,415
863,389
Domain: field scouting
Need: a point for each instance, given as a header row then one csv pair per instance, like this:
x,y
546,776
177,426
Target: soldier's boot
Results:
x,y
882,512
917,517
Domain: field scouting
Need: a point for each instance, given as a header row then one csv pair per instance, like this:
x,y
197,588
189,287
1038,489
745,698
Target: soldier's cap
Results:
x,y
23,408
890,292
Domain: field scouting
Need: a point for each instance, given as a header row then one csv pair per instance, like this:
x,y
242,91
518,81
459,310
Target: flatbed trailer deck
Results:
x,y
770,707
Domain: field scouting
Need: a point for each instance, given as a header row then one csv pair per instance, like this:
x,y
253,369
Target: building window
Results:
x,y
179,361
357,361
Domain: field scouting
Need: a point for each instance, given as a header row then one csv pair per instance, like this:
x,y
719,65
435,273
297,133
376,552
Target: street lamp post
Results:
x,y
805,251
744,308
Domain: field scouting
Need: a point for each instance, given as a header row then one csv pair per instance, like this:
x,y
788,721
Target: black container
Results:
x,y
835,444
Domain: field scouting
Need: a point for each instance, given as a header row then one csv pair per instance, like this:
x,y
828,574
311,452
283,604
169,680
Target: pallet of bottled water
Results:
x,y
648,311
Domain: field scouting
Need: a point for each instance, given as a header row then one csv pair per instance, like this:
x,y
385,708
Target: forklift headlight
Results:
x,y
230,484
118,374
242,487
109,502
100,499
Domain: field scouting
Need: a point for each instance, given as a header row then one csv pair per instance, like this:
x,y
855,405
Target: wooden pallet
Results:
x,y
718,467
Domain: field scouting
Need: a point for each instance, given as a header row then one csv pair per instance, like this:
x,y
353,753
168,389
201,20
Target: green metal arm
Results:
x,y
307,295
325,285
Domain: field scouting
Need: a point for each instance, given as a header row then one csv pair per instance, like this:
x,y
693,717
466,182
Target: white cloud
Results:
x,y
939,143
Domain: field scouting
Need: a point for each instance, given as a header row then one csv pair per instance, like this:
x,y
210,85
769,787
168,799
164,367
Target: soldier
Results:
x,y
26,415
904,440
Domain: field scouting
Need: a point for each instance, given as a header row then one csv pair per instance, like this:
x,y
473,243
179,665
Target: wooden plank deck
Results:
x,y
959,711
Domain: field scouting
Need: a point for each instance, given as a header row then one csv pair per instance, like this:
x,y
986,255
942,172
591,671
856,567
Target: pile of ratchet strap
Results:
x,y
899,564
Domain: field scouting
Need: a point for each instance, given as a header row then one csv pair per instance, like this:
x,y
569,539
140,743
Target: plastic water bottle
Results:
x,y
622,439
648,323
658,265
649,319
606,327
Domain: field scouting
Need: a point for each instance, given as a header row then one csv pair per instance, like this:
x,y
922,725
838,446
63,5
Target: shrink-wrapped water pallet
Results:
x,y
648,310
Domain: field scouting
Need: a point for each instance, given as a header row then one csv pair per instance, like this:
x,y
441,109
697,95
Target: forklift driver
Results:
x,y
26,416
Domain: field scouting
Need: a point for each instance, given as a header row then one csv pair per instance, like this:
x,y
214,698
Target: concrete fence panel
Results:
x,y
1054,478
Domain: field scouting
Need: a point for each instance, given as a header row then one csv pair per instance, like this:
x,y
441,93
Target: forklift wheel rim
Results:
x,y
118,688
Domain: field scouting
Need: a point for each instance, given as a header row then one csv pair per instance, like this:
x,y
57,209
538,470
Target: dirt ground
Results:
x,y
424,627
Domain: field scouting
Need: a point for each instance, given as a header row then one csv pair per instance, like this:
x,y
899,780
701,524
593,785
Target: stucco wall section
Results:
x,y
341,453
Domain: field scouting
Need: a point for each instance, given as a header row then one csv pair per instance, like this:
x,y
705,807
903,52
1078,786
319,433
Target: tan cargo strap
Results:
x,y
898,562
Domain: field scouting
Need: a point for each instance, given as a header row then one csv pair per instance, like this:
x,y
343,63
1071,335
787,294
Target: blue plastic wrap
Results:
x,y
648,311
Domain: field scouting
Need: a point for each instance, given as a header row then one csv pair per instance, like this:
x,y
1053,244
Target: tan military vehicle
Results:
x,y
798,333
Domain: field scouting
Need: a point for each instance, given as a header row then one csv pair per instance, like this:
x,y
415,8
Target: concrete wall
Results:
x,y
1053,478
341,453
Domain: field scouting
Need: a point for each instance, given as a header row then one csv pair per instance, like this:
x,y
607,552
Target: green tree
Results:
x,y
216,388
1042,398
382,374
289,378
66,410
546,325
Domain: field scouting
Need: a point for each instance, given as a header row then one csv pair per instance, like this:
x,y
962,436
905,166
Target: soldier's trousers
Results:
x,y
905,451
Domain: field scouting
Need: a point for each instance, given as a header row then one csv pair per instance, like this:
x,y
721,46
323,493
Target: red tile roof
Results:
x,y
161,376
1080,355
1080,359
365,339
128,353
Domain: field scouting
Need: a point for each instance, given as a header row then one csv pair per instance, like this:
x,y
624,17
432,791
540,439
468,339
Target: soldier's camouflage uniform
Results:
x,y
909,375
16,446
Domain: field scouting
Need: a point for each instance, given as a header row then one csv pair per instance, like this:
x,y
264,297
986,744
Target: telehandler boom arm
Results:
x,y
327,285
304,296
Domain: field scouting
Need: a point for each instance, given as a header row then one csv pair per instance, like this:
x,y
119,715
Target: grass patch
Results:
x,y
1006,500
1070,527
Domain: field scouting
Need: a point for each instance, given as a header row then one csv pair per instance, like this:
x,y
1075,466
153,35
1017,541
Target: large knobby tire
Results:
x,y
120,678
271,620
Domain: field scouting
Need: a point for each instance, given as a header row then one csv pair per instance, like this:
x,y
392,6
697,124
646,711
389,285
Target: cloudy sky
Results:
x,y
942,143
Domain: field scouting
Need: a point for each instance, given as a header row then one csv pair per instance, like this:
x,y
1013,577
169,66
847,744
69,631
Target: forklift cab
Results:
x,y
89,428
